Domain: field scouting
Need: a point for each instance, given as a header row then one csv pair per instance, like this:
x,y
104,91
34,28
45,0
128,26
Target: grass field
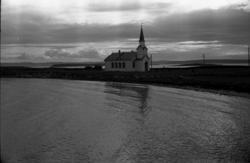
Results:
x,y
232,78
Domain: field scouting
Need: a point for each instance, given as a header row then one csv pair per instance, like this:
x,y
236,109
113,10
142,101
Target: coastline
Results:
x,y
225,80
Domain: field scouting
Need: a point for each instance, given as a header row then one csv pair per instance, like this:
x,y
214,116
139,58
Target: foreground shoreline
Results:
x,y
116,122
233,80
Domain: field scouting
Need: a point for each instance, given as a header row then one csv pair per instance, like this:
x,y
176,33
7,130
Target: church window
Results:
x,y
120,65
112,64
116,65
133,64
123,65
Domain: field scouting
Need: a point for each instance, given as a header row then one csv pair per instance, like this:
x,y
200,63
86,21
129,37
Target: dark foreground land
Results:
x,y
229,78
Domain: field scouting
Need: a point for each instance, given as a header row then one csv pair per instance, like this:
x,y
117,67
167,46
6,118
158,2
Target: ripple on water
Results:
x,y
83,121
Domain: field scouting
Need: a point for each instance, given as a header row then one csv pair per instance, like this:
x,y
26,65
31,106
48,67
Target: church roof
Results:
x,y
121,56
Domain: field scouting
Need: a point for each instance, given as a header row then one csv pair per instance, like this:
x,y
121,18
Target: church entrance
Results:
x,y
146,66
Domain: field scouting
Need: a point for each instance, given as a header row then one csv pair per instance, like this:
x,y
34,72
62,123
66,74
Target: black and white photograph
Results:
x,y
125,81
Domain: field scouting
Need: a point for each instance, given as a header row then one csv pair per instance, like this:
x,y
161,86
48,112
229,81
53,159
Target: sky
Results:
x,y
89,30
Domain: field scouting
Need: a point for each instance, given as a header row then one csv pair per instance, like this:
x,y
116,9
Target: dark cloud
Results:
x,y
26,27
227,25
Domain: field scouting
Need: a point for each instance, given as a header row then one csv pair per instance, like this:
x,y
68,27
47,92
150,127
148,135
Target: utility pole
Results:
x,y
203,58
151,61
248,55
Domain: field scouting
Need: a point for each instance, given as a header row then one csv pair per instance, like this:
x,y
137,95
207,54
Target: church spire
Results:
x,y
141,35
141,49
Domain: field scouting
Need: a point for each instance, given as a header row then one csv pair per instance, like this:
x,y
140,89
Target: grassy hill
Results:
x,y
232,78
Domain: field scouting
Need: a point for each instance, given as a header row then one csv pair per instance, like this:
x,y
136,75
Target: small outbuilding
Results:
x,y
131,60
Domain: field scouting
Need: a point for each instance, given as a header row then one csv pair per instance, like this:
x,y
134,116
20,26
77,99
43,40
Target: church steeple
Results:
x,y
141,36
141,40
142,50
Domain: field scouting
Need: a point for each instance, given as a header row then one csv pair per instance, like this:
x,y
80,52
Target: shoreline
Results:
x,y
199,89
234,81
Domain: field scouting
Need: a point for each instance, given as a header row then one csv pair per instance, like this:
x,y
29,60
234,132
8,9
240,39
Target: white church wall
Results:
x,y
141,53
140,66
128,66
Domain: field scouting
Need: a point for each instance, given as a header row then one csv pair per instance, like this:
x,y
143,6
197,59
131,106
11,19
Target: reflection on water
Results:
x,y
84,121
133,115
123,90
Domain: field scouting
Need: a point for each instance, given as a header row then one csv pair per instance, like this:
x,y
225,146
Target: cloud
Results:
x,y
89,53
23,57
62,54
85,52
58,54
128,6
192,50
227,24
54,55
99,7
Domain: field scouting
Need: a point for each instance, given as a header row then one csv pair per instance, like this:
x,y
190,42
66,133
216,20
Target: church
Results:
x,y
129,60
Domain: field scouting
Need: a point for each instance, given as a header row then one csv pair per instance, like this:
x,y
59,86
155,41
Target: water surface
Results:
x,y
47,120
